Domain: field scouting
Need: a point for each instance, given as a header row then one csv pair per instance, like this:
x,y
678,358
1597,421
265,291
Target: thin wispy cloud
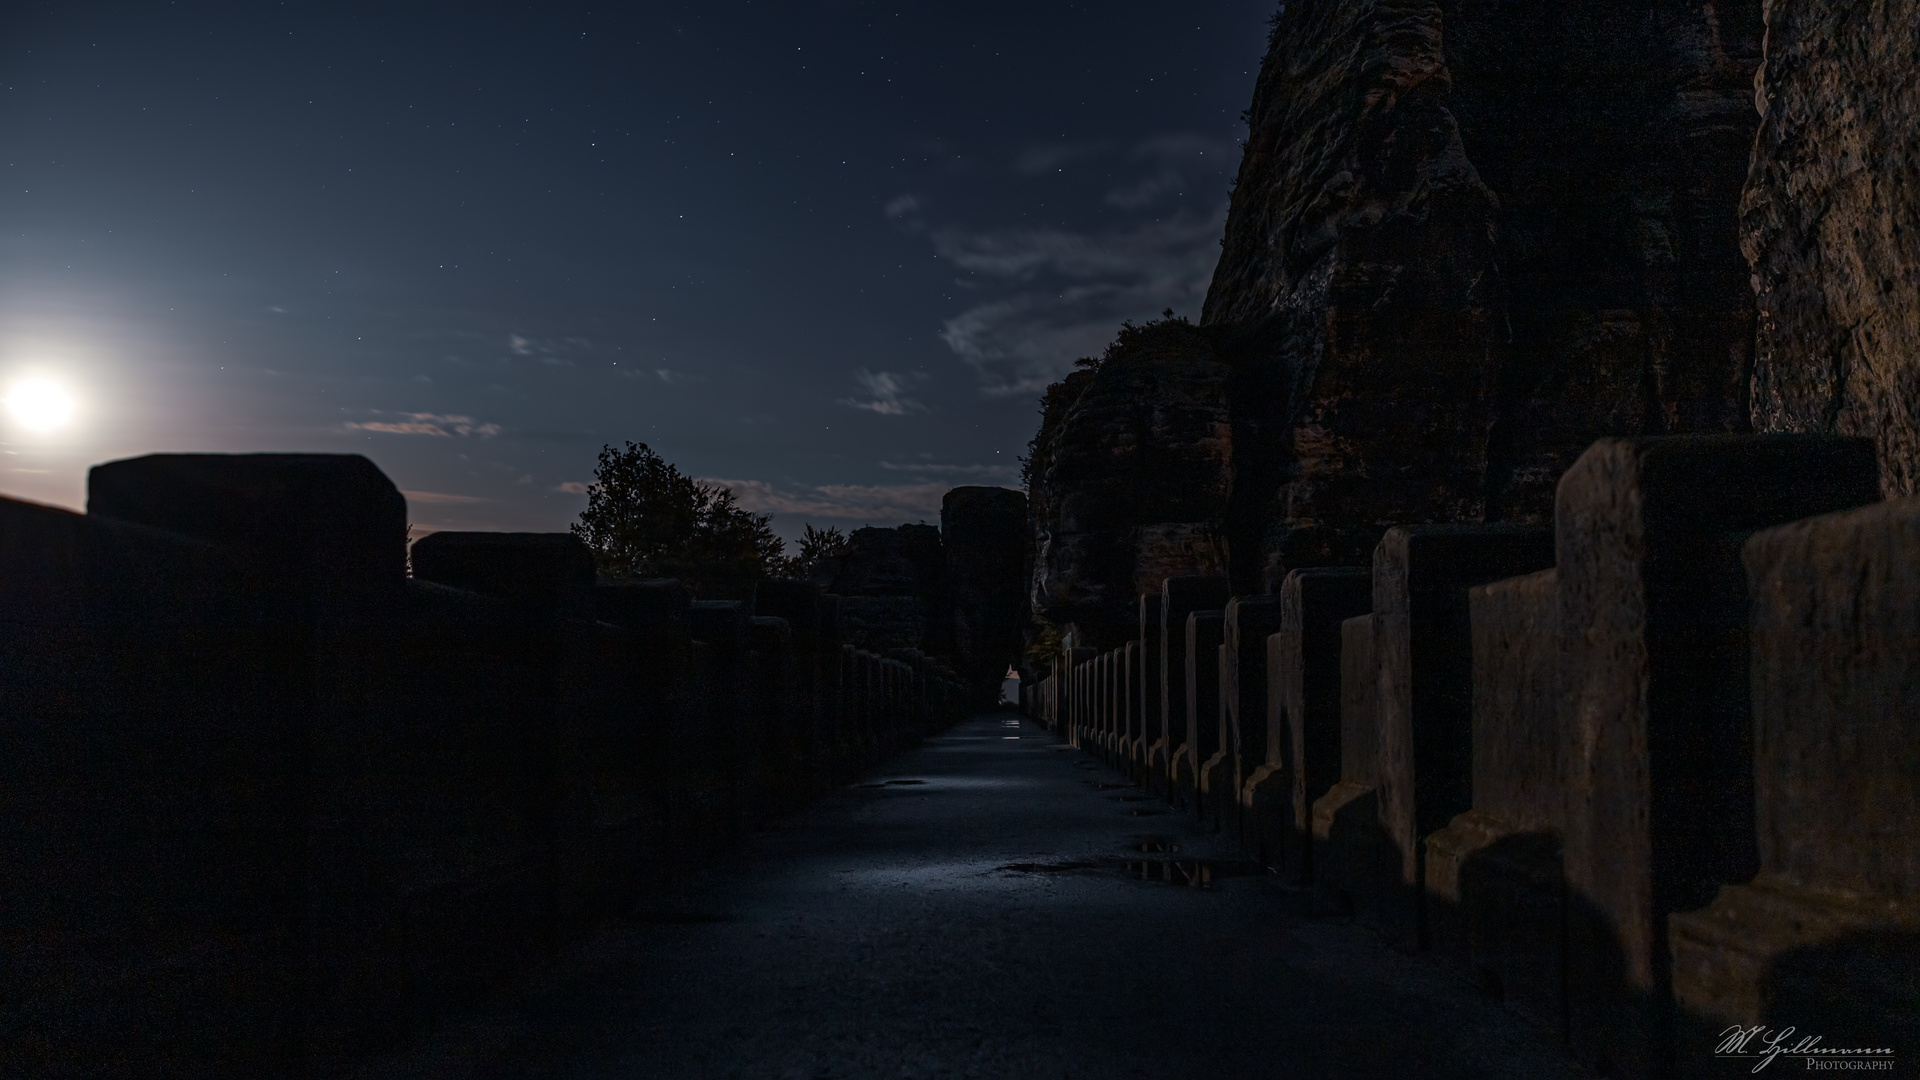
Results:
x,y
1077,288
930,469
443,426
573,487
440,498
887,503
885,393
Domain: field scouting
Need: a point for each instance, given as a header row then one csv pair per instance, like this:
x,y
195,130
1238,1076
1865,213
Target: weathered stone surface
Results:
x,y
1616,138
1828,220
1816,939
1423,649
1493,875
1359,255
1152,720
1250,621
1659,753
1179,597
1303,712
1132,470
551,571
985,533
1200,715
330,527
1356,865
1467,239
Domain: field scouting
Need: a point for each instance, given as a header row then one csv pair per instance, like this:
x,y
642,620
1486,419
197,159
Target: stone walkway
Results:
x,y
970,913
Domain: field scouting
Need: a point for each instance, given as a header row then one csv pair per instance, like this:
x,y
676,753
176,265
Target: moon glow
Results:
x,y
40,404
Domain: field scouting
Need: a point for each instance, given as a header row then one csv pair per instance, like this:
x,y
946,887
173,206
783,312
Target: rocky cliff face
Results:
x,y
1831,223
1130,478
1475,236
1358,266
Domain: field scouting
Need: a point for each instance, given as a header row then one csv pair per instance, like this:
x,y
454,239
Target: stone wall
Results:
x,y
282,803
1640,794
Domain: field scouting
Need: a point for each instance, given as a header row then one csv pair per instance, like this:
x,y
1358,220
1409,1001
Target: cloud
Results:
x,y
952,470
573,487
886,392
441,425
900,206
1075,291
440,497
677,378
887,502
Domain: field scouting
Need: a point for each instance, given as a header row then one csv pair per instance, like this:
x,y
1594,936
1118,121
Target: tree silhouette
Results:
x,y
647,519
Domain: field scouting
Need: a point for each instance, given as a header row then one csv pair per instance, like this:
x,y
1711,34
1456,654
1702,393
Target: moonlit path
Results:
x,y
929,930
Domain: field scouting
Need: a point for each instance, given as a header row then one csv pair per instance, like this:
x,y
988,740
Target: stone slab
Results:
x,y
1657,710
1303,712
1201,684
328,527
1423,647
1249,621
1179,597
1835,670
550,571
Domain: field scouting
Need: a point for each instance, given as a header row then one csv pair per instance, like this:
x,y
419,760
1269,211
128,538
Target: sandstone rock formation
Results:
x,y
1829,221
1130,476
1473,237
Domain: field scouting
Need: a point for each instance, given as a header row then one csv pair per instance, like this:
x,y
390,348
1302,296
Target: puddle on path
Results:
x,y
893,783
1141,811
1185,873
1190,873
1150,842
1105,785
1132,798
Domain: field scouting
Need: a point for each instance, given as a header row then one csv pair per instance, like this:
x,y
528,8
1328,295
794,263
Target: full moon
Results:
x,y
39,404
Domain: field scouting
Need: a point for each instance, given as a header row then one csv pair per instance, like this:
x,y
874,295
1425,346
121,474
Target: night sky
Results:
x,y
827,253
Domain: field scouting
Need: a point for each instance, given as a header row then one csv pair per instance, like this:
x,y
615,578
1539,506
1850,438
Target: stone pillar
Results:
x,y
1302,713
1202,686
1179,597
1657,714
1356,867
1493,875
1250,620
1827,936
1424,651
1151,723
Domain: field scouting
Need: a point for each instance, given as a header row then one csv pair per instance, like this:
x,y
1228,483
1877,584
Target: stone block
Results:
x,y
722,623
1303,712
1657,719
1356,863
1249,621
1179,597
549,572
1493,875
329,528
1201,681
1423,648
1152,722
1827,936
